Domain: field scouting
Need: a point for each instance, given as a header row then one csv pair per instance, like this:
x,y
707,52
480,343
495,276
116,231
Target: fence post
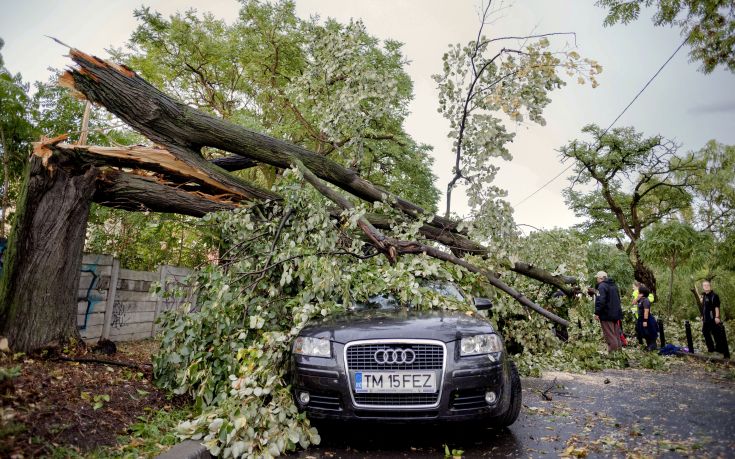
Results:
x,y
111,294
690,341
661,331
159,301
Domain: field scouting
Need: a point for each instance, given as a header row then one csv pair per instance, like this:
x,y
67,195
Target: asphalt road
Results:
x,y
688,411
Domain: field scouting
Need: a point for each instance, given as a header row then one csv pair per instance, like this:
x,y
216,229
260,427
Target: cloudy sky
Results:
x,y
681,103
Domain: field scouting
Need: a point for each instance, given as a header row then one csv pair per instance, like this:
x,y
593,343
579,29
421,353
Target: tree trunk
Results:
x,y
40,279
643,273
697,300
671,289
6,182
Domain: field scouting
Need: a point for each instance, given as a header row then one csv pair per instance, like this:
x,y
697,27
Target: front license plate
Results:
x,y
407,382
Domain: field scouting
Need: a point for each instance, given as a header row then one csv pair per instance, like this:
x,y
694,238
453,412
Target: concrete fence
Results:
x,y
117,304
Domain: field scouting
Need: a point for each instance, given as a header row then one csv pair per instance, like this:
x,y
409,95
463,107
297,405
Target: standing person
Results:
x,y
646,326
634,307
712,326
609,311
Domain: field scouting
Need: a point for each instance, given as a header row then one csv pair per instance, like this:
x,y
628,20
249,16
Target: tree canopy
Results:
x,y
635,182
714,190
671,244
708,25
484,84
330,87
16,132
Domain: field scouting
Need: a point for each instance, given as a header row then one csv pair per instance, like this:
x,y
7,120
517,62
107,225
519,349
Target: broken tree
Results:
x,y
174,177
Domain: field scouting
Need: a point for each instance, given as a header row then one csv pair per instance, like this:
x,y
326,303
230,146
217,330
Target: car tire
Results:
x,y
516,400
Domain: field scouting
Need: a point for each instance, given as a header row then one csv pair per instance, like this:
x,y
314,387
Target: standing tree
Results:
x,y
714,190
671,244
486,82
714,211
636,182
709,25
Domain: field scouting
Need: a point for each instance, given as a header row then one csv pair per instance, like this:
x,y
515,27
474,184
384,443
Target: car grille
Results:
x,y
360,357
468,399
396,399
325,401
428,357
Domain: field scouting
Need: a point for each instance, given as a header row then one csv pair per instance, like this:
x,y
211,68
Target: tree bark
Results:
x,y
142,194
6,181
643,273
38,288
671,289
566,284
697,299
200,177
234,163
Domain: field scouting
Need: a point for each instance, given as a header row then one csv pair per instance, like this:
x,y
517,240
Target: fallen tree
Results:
x,y
174,177
184,131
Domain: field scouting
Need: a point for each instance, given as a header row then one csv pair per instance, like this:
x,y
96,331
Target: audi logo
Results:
x,y
390,356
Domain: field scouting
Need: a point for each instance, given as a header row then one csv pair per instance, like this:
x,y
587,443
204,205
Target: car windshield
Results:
x,y
386,301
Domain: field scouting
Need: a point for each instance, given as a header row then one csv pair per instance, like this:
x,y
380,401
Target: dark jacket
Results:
x,y
710,301
607,303
651,331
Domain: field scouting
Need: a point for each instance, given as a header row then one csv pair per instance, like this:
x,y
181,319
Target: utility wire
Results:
x,y
611,124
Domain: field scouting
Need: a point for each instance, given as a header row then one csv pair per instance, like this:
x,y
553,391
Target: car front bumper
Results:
x,y
461,395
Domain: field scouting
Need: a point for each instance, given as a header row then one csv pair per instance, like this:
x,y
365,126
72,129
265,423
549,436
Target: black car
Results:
x,y
385,362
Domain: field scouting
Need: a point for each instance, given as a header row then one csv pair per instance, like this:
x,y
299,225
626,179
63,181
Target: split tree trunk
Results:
x,y
38,289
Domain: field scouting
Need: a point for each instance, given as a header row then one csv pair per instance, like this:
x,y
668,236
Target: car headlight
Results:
x,y
480,344
316,347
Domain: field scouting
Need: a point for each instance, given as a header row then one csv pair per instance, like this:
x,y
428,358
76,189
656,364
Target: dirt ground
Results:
x,y
688,411
81,405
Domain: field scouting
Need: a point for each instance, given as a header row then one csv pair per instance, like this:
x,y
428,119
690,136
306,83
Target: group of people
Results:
x,y
609,312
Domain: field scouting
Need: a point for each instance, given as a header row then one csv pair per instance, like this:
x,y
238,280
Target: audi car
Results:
x,y
385,361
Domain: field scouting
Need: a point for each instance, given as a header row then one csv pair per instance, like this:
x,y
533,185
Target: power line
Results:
x,y
611,124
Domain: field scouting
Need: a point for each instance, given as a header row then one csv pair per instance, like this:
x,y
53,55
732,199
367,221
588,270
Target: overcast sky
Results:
x,y
681,103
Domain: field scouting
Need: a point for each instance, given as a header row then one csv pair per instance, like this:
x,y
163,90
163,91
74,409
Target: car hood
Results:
x,y
387,324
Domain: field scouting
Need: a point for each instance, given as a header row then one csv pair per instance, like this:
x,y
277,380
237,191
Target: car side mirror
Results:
x,y
483,304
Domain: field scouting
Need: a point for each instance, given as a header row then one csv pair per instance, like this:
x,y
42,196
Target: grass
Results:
x,y
152,435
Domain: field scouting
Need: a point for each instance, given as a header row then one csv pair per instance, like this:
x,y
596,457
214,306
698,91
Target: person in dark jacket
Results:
x,y
608,311
712,322
646,326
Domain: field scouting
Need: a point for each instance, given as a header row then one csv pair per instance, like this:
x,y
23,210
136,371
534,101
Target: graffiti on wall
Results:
x,y
119,315
91,298
178,293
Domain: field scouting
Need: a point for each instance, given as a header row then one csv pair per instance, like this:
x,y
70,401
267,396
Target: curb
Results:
x,y
188,449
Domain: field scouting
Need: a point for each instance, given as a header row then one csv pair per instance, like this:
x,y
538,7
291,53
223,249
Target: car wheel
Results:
x,y
516,399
